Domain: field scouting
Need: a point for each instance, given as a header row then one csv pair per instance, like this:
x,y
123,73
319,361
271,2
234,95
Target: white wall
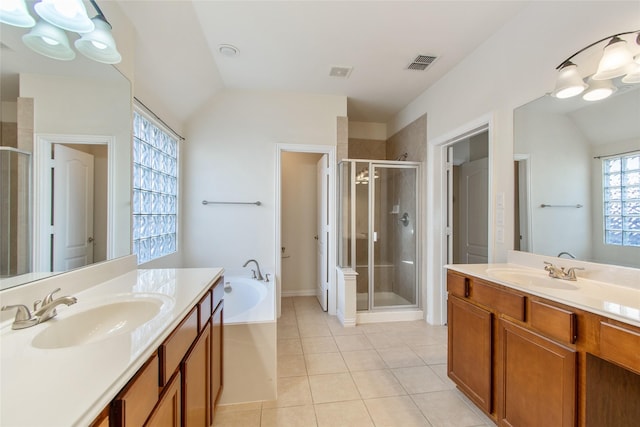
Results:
x,y
83,106
560,168
299,223
230,155
517,64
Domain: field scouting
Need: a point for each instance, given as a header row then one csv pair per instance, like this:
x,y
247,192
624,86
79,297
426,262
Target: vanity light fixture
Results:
x,y
14,12
48,38
70,15
50,41
598,89
99,44
617,60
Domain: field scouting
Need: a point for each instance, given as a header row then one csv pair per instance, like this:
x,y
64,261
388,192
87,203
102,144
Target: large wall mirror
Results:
x,y
65,162
559,148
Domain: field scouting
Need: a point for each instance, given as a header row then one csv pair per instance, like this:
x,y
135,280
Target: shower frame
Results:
x,y
352,261
26,264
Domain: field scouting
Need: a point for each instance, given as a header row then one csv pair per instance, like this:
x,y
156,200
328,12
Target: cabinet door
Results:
x,y
168,411
469,355
216,356
538,380
196,384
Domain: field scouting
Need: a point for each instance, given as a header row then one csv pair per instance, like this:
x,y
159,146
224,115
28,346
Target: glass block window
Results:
x,y
621,186
155,189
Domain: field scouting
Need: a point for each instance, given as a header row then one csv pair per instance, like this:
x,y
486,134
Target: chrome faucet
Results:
x,y
259,275
25,319
560,273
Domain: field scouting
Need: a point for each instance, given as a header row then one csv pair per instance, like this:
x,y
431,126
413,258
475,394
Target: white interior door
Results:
x,y
474,212
322,236
72,198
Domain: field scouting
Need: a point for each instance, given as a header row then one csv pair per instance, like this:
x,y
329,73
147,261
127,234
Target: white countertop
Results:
x,y
614,301
71,386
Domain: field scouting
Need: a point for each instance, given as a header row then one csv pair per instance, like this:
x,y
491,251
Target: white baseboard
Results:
x,y
299,293
346,323
389,316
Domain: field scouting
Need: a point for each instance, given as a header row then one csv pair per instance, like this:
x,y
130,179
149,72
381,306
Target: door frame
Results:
x,y
42,202
330,150
435,300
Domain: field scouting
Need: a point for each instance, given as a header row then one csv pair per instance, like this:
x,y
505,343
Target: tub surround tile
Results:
x,y
343,414
333,388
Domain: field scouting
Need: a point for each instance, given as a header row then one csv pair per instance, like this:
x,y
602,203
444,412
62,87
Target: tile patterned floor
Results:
x,y
383,374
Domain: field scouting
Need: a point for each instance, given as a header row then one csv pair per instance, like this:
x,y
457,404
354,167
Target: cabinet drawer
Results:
x,y
204,310
458,285
176,345
620,345
134,404
553,321
504,302
218,292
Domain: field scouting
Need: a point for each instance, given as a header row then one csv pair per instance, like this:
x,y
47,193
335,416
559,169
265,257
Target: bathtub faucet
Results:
x,y
259,277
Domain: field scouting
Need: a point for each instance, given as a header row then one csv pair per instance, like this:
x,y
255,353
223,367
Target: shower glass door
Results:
x,y
393,253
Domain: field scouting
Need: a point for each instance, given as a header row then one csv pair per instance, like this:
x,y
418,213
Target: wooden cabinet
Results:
x,y
470,343
179,385
216,355
196,385
135,402
528,361
168,411
536,381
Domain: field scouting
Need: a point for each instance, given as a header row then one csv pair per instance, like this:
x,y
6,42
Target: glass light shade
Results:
x,y
50,41
569,82
598,89
99,44
69,15
14,12
615,60
634,75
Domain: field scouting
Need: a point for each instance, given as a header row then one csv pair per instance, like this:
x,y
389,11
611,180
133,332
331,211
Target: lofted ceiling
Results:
x,y
292,45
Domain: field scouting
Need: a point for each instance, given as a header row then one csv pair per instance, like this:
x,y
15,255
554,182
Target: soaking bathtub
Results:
x,y
249,339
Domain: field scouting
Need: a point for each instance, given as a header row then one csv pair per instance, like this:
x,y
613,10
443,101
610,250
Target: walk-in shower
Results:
x,y
379,231
15,212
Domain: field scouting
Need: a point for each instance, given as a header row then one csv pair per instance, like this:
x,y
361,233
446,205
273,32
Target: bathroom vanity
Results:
x,y
530,350
143,347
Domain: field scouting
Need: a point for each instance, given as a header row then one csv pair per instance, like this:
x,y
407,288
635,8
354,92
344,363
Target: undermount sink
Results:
x,y
98,323
530,278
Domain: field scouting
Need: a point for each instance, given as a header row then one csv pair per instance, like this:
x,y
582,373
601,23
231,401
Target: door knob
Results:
x,y
90,239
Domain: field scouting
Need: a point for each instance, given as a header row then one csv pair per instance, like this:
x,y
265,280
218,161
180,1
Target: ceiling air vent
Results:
x,y
422,62
340,72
